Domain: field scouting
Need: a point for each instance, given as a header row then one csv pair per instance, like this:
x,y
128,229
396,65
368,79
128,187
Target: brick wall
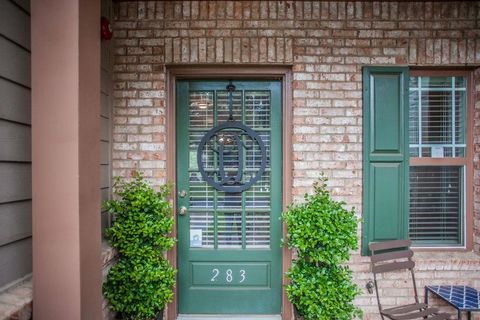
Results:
x,y
327,44
476,163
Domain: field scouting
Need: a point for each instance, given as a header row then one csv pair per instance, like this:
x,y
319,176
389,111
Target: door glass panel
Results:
x,y
258,196
237,220
222,105
229,229
229,200
204,221
257,109
201,111
201,194
258,229
253,156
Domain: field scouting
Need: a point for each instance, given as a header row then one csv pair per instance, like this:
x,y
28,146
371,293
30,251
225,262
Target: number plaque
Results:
x,y
231,274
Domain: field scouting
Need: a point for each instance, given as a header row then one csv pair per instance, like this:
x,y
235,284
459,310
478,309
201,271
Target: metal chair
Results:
x,y
396,255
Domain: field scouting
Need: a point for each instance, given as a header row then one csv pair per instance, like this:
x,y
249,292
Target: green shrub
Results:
x,y
139,289
143,218
142,281
322,233
322,293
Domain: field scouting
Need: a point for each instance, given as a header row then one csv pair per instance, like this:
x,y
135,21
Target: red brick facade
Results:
x,y
326,44
476,164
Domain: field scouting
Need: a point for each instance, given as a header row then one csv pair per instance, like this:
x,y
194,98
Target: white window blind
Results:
x,y
436,204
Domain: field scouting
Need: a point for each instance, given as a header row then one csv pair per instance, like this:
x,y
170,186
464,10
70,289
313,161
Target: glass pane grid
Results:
x,y
437,117
230,220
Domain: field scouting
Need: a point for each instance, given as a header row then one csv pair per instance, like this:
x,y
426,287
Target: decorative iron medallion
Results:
x,y
228,140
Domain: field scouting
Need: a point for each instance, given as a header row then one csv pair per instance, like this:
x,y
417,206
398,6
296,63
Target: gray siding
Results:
x,y
15,63
16,221
105,114
15,142
15,181
15,102
15,139
19,253
14,23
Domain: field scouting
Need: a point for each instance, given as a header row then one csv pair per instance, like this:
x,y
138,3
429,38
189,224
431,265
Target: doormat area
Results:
x,y
227,317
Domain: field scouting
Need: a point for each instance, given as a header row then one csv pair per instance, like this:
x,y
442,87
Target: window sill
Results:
x,y
439,249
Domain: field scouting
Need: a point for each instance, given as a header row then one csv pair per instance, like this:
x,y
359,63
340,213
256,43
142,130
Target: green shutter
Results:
x,y
385,154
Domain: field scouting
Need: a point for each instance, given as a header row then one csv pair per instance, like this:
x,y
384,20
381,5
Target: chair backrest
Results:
x,y
389,256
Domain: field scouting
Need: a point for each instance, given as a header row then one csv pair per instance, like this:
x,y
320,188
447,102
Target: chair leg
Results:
x,y
459,315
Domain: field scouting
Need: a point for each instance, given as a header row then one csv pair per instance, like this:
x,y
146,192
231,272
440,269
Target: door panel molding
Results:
x,y
273,72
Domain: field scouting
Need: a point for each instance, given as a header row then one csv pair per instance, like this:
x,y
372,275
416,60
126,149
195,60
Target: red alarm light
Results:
x,y
106,29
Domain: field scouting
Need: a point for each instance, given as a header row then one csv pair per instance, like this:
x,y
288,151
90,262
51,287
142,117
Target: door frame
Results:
x,y
216,71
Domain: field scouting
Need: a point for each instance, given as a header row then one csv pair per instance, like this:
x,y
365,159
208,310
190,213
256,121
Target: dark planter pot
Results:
x,y
296,314
159,316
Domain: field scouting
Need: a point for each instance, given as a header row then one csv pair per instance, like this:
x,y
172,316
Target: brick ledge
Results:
x,y
108,253
16,302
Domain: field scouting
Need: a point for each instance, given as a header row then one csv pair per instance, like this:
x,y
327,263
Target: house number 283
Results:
x,y
228,275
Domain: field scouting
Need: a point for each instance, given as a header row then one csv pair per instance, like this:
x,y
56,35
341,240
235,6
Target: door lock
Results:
x,y
182,193
182,211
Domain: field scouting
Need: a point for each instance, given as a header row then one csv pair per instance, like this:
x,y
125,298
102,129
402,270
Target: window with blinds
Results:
x,y
437,131
435,204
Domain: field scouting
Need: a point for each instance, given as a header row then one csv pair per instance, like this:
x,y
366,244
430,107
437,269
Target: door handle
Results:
x,y
182,193
183,210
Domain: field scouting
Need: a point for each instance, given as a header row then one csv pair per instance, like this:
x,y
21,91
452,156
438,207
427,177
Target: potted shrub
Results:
x,y
141,283
322,233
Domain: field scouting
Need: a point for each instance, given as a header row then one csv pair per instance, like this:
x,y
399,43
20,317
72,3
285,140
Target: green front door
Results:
x,y
229,191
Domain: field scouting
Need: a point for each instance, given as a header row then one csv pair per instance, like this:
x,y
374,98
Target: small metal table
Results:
x,y
462,298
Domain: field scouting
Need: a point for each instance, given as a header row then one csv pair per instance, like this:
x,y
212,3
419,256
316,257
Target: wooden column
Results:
x,y
65,159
